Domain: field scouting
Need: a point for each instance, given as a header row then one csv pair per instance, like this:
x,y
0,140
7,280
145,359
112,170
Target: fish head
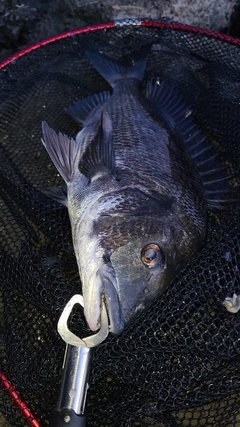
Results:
x,y
130,253
145,265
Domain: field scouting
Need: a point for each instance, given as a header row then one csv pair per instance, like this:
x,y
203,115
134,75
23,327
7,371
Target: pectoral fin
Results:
x,y
59,194
63,151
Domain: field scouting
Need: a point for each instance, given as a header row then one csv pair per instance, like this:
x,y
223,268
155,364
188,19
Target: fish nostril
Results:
x,y
106,259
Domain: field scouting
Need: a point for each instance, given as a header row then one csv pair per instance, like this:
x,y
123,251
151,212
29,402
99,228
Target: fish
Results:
x,y
139,180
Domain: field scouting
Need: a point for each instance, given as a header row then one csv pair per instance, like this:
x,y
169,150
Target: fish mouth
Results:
x,y
115,313
104,290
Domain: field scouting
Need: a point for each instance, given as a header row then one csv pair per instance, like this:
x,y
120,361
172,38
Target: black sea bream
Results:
x,y
140,178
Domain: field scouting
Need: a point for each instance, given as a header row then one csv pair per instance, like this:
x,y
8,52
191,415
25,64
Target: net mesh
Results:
x,y
178,363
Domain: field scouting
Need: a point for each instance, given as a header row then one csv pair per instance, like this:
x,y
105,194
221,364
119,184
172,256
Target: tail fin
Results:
x,y
112,70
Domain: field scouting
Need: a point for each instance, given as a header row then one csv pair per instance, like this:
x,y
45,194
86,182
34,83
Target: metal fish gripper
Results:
x,y
70,408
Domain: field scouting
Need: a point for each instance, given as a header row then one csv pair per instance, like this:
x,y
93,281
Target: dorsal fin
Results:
x,y
178,117
81,109
98,159
112,70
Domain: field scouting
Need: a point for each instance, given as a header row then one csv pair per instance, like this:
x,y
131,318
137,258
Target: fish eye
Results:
x,y
152,255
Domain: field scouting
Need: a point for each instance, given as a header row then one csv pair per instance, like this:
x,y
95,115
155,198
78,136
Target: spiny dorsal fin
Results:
x,y
178,117
99,158
112,70
81,109
63,151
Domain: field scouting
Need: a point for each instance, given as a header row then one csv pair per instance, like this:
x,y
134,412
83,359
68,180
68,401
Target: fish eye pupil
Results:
x,y
150,254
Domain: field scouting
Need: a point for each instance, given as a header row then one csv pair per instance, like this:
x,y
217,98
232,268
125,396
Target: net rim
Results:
x,y
165,25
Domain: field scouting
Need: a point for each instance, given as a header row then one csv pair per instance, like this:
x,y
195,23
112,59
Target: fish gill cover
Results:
x,y
178,362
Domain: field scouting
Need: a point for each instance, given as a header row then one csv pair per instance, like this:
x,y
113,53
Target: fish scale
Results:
x,y
139,143
134,131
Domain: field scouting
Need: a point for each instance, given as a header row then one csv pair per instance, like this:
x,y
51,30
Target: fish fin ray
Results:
x,y
63,151
219,202
215,171
59,194
214,180
81,109
178,117
112,70
99,157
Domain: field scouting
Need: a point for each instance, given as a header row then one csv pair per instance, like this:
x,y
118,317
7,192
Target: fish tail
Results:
x,y
112,70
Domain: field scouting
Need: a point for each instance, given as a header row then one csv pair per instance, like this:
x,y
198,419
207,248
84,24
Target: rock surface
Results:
x,y
24,22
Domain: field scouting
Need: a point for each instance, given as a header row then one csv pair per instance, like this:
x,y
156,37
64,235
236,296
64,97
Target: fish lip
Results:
x,y
115,312
105,289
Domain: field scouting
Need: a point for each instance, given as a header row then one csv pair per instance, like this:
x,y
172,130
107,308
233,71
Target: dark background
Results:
x,y
25,22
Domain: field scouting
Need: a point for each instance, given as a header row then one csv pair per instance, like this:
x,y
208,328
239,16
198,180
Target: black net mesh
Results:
x,y
178,363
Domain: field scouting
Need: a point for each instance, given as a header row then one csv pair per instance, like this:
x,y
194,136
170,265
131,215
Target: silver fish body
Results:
x,y
136,200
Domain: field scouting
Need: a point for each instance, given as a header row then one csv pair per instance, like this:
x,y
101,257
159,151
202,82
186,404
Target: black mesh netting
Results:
x,y
178,363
